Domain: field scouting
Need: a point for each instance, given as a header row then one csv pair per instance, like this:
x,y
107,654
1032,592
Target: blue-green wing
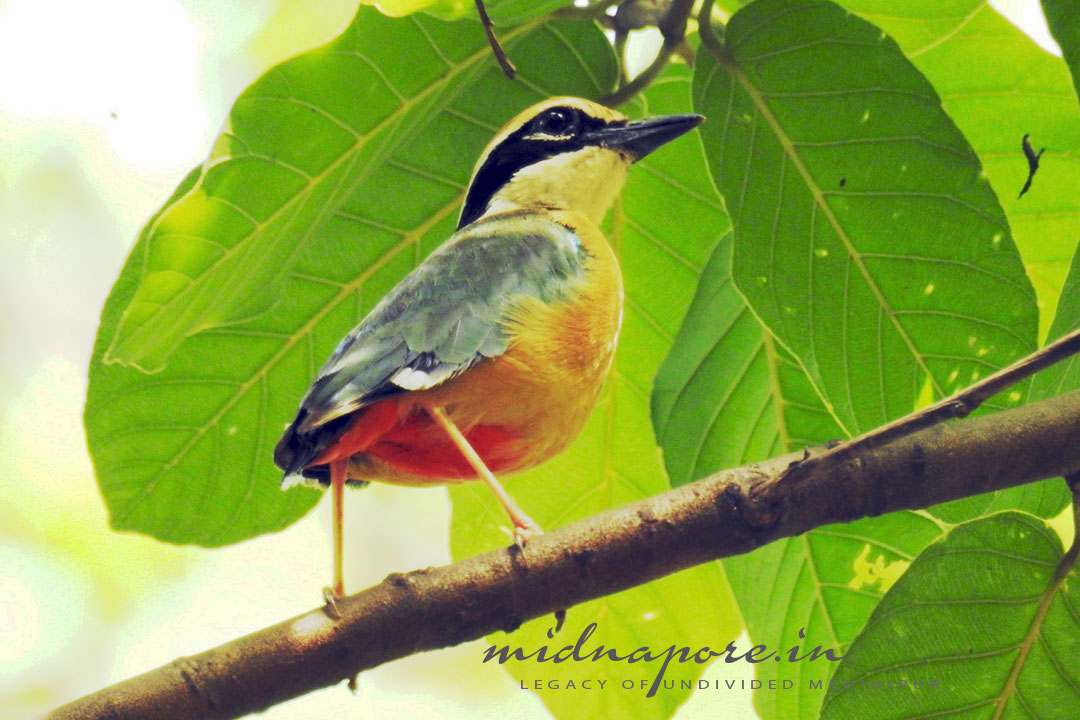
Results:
x,y
441,319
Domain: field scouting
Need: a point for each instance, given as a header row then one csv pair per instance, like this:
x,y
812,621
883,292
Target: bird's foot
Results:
x,y
331,597
525,532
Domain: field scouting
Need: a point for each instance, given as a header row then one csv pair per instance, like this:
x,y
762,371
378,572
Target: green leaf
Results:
x,y
302,142
997,85
614,461
984,615
185,454
1063,18
727,394
866,238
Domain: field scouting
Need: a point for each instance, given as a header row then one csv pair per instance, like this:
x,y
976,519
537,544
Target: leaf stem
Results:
x,y
626,92
708,34
500,54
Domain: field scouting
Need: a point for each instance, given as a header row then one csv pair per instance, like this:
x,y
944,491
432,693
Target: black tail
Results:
x,y
296,450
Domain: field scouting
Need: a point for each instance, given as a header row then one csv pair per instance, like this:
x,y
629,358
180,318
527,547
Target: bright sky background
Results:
x,y
104,106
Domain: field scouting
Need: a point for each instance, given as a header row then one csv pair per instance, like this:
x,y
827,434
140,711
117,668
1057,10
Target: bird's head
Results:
x,y
564,154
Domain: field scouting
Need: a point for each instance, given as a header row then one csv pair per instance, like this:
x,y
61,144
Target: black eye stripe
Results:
x,y
526,146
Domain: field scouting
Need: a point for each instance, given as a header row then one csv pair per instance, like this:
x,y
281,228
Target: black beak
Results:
x,y
641,137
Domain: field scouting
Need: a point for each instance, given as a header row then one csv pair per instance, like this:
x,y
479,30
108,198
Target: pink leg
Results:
x,y
337,482
524,526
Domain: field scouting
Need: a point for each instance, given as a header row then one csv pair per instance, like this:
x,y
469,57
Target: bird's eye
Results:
x,y
557,121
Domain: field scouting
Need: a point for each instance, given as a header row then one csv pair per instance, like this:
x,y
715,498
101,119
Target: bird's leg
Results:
x,y
524,526
337,483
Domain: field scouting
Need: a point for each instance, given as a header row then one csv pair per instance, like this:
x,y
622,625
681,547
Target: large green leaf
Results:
x,y
727,394
185,454
663,230
981,615
866,237
996,84
302,141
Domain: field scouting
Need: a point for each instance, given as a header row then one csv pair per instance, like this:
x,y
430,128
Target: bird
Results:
x,y
487,358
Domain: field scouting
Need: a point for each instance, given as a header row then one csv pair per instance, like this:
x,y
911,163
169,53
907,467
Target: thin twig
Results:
x,y
959,405
708,34
626,92
673,27
701,521
500,54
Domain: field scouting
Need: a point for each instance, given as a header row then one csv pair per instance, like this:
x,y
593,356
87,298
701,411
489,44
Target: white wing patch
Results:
x,y
412,379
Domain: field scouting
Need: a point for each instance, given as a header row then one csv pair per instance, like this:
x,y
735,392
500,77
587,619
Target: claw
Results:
x,y
524,533
330,598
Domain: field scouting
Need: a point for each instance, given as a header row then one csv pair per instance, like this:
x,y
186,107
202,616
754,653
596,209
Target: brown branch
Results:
x,y
958,405
500,54
673,27
712,518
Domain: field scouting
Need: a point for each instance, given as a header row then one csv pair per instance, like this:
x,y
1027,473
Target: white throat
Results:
x,y
585,181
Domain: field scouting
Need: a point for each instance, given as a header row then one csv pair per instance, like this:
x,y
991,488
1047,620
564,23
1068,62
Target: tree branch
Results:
x,y
712,518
